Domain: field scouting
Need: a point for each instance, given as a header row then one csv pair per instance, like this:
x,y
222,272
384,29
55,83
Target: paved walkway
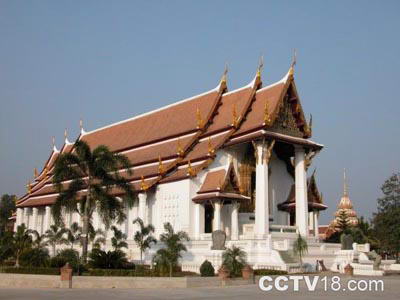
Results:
x,y
391,291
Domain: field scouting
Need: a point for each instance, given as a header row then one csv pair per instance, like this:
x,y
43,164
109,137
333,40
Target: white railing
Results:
x,y
283,229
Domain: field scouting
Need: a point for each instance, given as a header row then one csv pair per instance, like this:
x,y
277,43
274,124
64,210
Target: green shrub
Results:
x,y
64,256
234,259
99,259
207,269
34,257
264,272
30,270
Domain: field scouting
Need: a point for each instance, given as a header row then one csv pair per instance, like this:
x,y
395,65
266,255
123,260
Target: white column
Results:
x,y
26,216
142,207
262,209
235,221
316,227
217,215
301,192
197,221
20,216
47,219
35,218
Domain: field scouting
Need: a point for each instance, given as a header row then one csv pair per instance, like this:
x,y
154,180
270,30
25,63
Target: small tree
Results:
x,y
22,241
96,237
39,241
300,248
342,221
55,236
168,257
207,269
143,237
118,241
234,259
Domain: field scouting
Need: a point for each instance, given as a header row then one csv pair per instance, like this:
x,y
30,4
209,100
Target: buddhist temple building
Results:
x,y
230,160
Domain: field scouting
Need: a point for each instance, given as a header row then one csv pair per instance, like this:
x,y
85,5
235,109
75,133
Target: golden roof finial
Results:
x,y
35,172
29,187
345,187
190,170
65,133
235,118
211,149
180,149
143,185
223,78
161,169
200,122
294,61
260,66
267,116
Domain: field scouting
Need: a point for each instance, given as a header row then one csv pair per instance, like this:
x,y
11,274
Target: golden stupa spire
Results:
x,y
345,187
294,61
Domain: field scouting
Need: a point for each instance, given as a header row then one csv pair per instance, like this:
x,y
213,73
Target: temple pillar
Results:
x,y
235,221
316,226
261,204
35,218
47,219
142,207
26,216
20,216
217,215
301,192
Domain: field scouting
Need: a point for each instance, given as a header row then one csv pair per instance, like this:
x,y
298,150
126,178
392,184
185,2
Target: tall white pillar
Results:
x,y
262,209
35,218
197,221
47,219
217,215
26,216
20,216
142,207
235,221
316,226
301,192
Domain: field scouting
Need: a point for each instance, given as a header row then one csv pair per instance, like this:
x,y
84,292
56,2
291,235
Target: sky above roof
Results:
x,y
103,61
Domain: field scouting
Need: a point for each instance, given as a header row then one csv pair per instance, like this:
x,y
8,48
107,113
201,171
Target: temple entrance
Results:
x,y
209,216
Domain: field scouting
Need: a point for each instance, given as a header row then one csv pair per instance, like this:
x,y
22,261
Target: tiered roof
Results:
x,y
177,141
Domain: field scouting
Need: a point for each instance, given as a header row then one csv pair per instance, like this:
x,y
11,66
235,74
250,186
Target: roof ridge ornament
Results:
x,y
200,121
294,62
190,171
308,127
235,118
81,127
260,66
66,141
143,185
180,149
53,142
29,187
267,115
224,75
35,172
161,168
211,150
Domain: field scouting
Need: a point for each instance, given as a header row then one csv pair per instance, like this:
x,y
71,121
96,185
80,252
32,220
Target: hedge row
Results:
x,y
27,270
264,272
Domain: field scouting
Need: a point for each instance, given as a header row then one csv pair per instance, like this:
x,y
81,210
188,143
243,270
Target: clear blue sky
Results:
x,y
105,61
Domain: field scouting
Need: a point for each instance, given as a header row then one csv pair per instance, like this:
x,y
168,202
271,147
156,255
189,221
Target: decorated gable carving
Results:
x,y
286,122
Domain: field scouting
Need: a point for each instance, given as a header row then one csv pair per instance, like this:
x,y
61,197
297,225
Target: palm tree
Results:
x,y
300,247
55,236
96,173
96,237
234,259
118,241
143,237
22,241
39,241
173,242
74,234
